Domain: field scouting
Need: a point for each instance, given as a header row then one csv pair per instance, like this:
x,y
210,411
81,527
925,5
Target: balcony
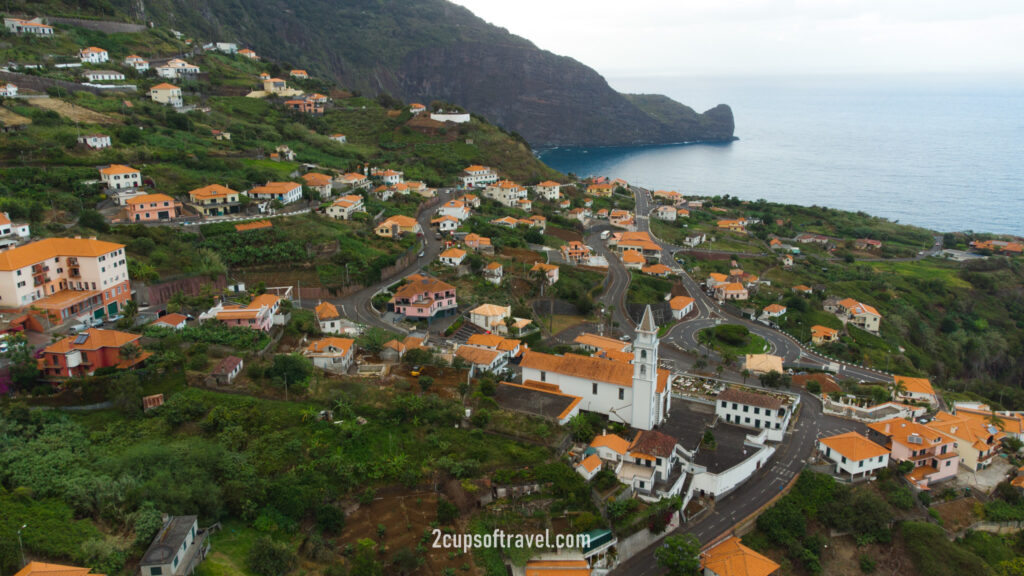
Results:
x,y
74,273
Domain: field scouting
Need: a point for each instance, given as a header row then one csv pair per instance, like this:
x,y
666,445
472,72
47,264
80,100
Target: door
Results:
x,y
112,308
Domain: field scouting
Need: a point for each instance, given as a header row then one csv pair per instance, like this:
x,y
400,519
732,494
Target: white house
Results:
x,y
477,176
120,177
343,208
667,213
95,141
694,240
328,318
332,354
177,548
93,55
453,257
226,47
8,90
490,316
759,410
8,228
916,390
653,465
493,272
32,26
339,138
137,62
228,369
174,321
548,190
445,223
167,94
455,209
391,177
103,76
636,394
482,359
506,192
176,68
853,454
681,306
284,192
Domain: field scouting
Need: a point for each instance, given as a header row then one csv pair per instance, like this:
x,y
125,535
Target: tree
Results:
x,y
130,352
746,374
24,367
290,369
775,379
426,382
373,340
126,393
679,555
405,561
92,219
268,557
582,430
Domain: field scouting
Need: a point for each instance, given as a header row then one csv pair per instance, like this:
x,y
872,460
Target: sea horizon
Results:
x,y
936,151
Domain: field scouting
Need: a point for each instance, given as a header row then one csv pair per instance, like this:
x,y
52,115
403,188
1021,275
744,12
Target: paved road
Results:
x,y
709,313
356,306
788,460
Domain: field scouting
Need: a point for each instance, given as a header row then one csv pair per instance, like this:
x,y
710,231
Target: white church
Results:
x,y
637,393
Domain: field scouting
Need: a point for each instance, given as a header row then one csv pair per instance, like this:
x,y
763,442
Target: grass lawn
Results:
x,y
561,322
945,272
228,549
752,344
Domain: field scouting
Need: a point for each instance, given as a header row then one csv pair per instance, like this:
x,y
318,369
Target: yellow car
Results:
x,y
415,371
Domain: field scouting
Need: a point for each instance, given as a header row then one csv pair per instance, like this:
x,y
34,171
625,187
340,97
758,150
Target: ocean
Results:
x,y
945,153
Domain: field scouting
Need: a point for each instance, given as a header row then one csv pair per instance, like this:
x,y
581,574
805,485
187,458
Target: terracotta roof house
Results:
x,y
731,558
853,455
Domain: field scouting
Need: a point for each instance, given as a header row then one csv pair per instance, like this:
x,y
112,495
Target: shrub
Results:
x,y
446,511
270,558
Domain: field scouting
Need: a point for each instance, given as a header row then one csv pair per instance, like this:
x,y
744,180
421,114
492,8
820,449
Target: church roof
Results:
x,y
647,322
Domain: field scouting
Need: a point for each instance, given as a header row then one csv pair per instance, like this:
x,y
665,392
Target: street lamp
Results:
x,y
20,547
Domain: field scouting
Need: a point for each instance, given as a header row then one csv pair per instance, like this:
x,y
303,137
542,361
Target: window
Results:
x,y
658,462
643,369
860,464
594,388
156,571
734,406
642,484
622,393
757,410
643,354
757,423
725,404
746,409
746,420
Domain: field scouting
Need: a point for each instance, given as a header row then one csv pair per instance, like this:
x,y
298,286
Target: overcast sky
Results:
x,y
743,37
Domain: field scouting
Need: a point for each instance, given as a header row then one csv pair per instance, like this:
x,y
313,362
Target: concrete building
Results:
x,y
853,455
749,408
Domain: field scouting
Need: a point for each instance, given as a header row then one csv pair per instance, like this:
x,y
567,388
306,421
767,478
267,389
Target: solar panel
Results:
x,y
81,338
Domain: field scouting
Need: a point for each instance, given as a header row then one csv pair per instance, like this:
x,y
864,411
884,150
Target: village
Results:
x,y
666,344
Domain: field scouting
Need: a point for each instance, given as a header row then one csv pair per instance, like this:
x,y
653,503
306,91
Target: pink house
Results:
x,y
933,453
257,315
152,207
424,297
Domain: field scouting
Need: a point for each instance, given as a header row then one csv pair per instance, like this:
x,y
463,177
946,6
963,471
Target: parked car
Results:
x,y
415,371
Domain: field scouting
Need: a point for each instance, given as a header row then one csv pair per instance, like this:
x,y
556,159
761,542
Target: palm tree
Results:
x,y
995,420
130,353
898,389
706,338
746,374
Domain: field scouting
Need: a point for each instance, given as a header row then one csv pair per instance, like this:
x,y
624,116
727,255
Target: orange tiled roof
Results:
x,y
976,431
418,284
326,311
454,253
274,188
324,345
854,446
557,568
732,558
400,221
118,169
45,569
210,192
47,248
616,443
98,338
548,184
172,319
856,307
680,302
656,269
801,288
600,342
899,430
316,179
591,463
818,331
652,443
632,257
164,86
147,198
478,356
775,308
916,385
611,371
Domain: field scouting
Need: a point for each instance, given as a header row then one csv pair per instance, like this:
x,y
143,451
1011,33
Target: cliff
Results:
x,y
425,50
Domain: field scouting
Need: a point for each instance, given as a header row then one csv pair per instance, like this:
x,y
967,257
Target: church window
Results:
x,y
622,393
643,369
643,354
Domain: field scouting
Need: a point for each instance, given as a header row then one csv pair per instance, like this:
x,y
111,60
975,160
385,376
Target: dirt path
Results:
x,y
8,118
72,112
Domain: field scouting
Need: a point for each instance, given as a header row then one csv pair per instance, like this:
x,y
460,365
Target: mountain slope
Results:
x,y
434,50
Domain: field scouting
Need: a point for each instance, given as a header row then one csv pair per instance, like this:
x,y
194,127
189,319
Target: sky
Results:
x,y
771,37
